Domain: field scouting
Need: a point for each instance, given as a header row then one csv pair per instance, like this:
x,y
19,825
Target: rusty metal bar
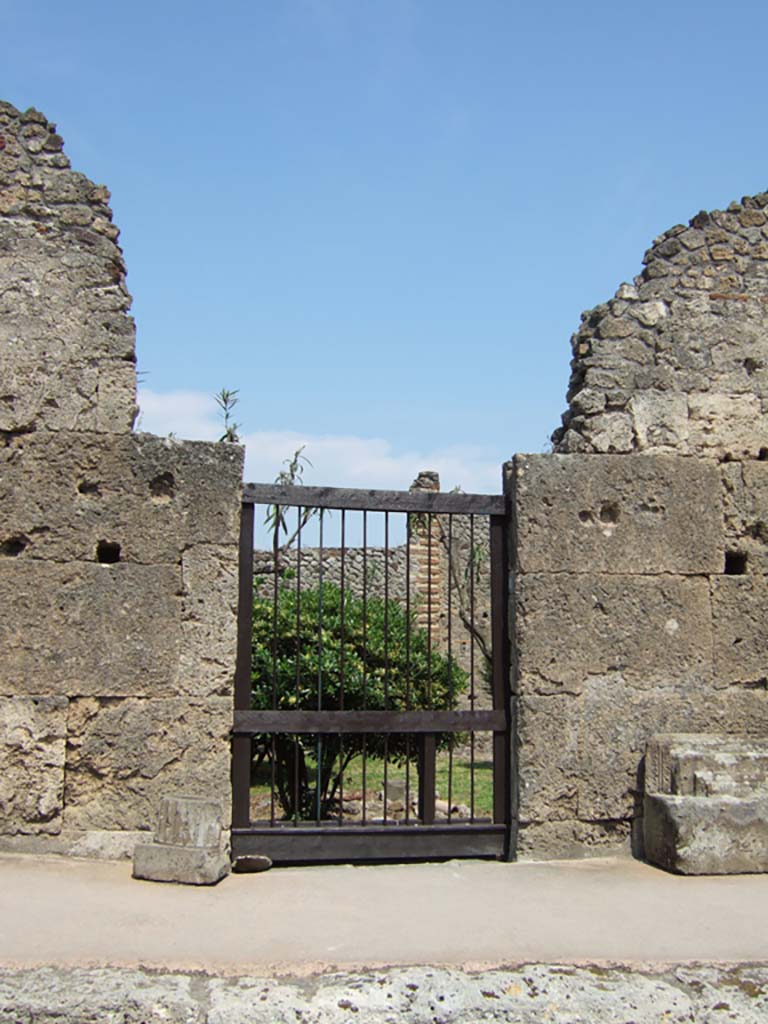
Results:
x,y
251,722
374,501
427,775
242,745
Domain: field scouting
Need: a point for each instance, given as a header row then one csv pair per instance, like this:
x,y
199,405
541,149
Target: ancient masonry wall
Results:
x,y
118,551
641,545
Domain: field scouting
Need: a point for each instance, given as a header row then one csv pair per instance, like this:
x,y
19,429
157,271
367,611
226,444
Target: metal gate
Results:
x,y
373,668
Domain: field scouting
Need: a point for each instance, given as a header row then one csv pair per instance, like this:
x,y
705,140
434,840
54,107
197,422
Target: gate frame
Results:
x,y
312,843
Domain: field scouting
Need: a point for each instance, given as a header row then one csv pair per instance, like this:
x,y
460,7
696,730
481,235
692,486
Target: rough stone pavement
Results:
x,y
611,941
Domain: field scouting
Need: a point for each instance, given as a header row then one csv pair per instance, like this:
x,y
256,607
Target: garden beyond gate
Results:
x,y
372,697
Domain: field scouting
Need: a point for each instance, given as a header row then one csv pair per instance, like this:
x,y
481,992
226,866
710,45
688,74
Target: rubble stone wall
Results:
x,y
118,551
641,545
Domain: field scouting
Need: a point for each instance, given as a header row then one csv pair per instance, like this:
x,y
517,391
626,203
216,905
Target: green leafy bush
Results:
x,y
302,652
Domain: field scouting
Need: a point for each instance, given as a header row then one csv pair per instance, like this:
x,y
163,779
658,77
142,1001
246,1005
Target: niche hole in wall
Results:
x,y
763,455
735,563
89,487
107,552
162,487
13,546
609,513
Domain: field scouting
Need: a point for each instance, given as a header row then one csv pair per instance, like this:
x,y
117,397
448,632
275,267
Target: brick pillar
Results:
x,y
427,561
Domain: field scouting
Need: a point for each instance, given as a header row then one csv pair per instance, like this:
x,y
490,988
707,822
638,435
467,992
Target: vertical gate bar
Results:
x,y
319,738
275,598
386,656
451,692
365,643
242,745
342,584
341,615
427,778
408,662
472,663
430,582
297,739
502,742
244,611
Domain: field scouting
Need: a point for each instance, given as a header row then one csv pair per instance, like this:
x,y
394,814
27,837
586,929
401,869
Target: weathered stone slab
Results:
x,y
530,994
98,844
624,514
740,640
572,839
708,764
719,835
745,495
189,821
726,425
548,732
208,645
84,628
32,744
189,865
125,755
63,494
645,630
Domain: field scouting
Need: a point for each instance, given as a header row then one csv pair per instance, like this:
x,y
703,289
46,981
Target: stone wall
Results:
x,y
641,545
118,551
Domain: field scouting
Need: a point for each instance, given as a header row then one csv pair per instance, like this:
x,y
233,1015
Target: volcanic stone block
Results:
x,y
740,643
84,628
188,865
32,745
726,425
645,630
63,494
209,620
624,514
189,821
548,754
706,803
745,494
721,835
125,755
187,846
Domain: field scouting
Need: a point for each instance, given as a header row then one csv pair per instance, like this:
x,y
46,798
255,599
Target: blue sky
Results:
x,y
381,219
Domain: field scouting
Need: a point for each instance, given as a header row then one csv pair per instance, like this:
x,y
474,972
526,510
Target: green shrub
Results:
x,y
299,661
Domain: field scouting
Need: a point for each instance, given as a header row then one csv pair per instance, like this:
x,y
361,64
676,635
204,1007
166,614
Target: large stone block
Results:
x,y
125,755
726,425
548,755
739,606
32,745
83,628
642,629
706,803
745,493
624,514
65,494
715,836
209,620
572,839
187,865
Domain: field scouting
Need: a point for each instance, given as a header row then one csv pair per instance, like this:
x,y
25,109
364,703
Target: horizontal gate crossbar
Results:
x,y
370,843
252,722
375,501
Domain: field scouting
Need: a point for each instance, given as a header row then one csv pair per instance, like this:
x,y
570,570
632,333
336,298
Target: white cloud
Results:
x,y
192,415
338,460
